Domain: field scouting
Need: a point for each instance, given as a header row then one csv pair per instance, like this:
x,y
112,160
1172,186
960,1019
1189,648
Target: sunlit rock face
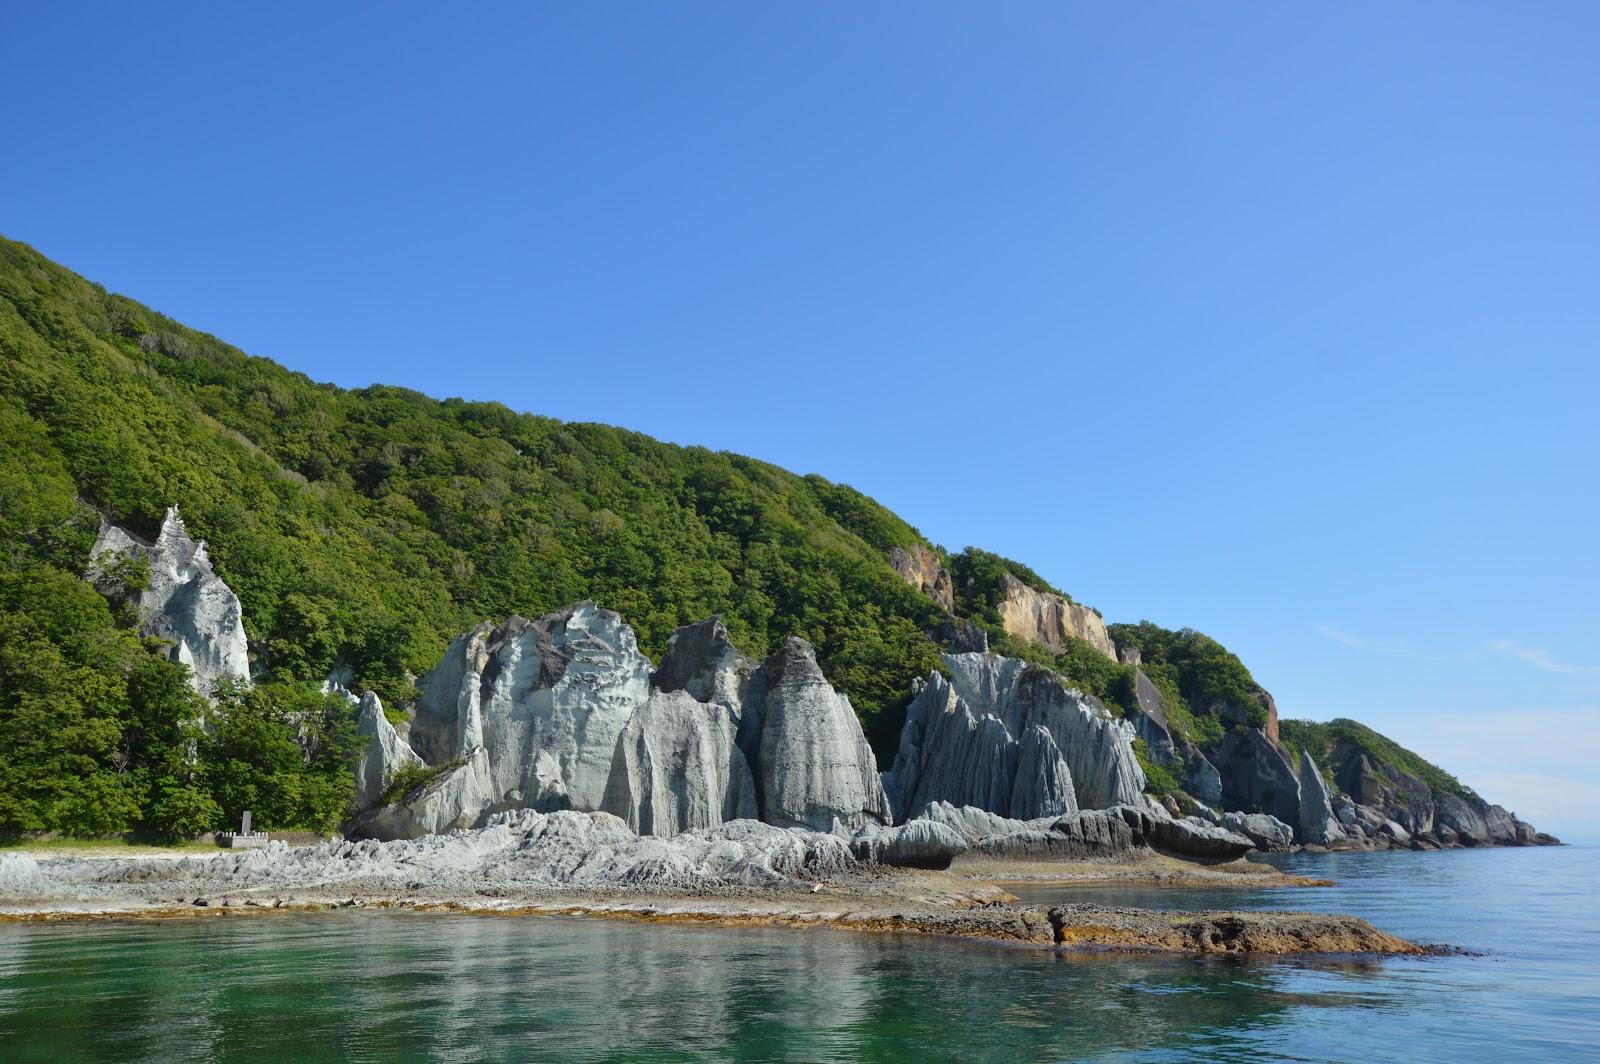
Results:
x,y
920,568
1317,823
1011,739
186,602
564,712
1050,620
812,765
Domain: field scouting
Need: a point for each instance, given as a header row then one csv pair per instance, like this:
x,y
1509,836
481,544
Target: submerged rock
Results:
x,y
185,602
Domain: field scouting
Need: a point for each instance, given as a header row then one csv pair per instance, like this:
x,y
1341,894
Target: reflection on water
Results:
x,y
376,986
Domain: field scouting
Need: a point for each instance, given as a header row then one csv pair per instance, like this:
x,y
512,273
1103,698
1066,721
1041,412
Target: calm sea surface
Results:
x,y
371,986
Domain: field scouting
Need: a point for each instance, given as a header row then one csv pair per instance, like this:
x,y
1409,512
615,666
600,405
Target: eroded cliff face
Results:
x,y
920,568
1012,739
1050,620
564,712
186,602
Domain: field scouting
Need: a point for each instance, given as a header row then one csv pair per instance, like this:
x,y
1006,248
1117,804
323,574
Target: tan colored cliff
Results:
x,y
1048,620
920,568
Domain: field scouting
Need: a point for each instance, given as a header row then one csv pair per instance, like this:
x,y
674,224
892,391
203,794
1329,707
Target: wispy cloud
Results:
x,y
1383,646
1535,656
1539,659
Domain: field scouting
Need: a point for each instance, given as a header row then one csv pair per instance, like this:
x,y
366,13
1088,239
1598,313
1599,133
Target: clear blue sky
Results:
x,y
1276,322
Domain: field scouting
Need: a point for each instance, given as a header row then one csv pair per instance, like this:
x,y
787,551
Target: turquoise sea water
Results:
x,y
355,985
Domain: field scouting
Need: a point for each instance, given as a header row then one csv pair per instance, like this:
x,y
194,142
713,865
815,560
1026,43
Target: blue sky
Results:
x,y
1274,321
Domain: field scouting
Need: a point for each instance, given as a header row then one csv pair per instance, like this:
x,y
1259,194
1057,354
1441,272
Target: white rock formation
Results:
x,y
547,700
1263,829
565,713
915,844
1013,739
1317,822
1088,832
186,602
384,754
813,763
678,767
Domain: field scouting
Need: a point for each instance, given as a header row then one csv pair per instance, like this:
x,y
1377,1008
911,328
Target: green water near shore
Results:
x,y
357,985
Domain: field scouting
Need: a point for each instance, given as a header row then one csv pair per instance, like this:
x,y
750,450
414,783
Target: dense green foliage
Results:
x,y
363,529
1159,779
1209,680
1342,738
101,734
366,528
979,587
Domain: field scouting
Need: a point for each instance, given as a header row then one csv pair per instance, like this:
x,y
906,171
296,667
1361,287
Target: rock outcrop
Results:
x,y
1117,831
1267,832
678,766
1317,824
1050,620
813,764
565,713
914,844
1012,739
384,755
920,568
185,602
1257,774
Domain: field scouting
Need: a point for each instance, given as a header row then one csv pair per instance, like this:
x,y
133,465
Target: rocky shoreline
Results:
x,y
741,874
1068,927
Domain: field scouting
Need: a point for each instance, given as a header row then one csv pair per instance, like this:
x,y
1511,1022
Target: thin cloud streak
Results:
x,y
1385,646
1539,659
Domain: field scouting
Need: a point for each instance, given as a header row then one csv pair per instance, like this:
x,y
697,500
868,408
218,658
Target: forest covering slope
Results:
x,y
362,529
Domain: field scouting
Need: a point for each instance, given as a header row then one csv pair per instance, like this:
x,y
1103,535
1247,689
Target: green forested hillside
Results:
x,y
366,528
